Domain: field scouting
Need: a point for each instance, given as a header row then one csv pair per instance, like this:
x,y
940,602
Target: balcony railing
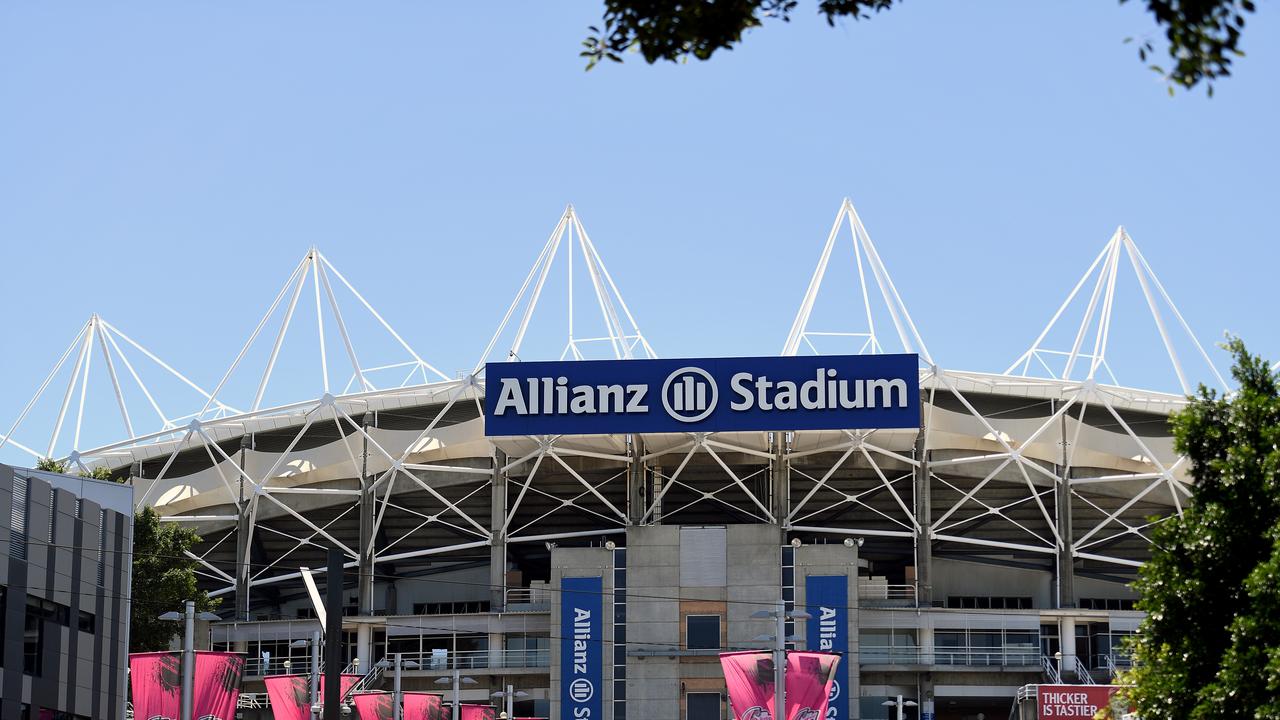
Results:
x,y
528,599
1012,655
881,595
428,660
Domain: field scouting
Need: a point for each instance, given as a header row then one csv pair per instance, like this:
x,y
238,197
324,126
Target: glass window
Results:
x,y
702,632
702,706
87,622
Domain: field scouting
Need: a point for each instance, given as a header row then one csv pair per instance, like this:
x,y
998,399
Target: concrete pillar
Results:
x,y
926,697
924,518
925,639
1067,641
498,539
779,472
366,510
1065,560
636,478
243,531
364,647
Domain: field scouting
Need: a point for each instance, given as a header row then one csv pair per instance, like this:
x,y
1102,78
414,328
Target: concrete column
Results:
x,y
927,711
1067,641
779,472
636,478
243,531
367,505
1065,565
924,518
498,540
364,647
925,639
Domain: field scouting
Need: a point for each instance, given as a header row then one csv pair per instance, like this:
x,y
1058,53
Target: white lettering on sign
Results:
x,y
554,396
826,629
581,636
827,391
1072,701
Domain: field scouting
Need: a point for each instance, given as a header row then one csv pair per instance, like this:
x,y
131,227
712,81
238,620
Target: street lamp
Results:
x,y
458,681
396,695
780,639
188,651
900,703
510,694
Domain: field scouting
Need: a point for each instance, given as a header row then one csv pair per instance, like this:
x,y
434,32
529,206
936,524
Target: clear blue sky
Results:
x,y
166,164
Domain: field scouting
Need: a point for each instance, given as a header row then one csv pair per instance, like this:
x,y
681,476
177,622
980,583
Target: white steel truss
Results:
x,y
866,260
125,362
1086,358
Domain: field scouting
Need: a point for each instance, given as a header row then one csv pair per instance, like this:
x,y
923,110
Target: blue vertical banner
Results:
x,y
581,648
827,601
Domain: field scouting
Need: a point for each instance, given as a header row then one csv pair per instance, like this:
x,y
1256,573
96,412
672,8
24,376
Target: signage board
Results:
x,y
831,392
827,602
581,648
1073,701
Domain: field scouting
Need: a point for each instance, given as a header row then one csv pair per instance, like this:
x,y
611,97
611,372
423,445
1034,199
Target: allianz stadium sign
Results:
x,y
702,395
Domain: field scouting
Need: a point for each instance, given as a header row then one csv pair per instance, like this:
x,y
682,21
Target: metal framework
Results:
x,y
1061,472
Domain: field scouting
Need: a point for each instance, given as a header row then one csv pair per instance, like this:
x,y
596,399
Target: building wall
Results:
x,y
65,573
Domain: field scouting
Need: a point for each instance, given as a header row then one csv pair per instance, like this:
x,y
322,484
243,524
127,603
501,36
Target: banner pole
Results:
x,y
189,661
780,664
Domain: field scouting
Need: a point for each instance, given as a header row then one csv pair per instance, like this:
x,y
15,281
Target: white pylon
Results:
x,y
101,338
867,260
620,331
1086,358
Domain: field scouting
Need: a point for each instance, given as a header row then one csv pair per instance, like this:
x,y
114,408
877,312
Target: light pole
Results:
x,y
188,652
314,644
458,681
900,703
510,695
396,695
780,640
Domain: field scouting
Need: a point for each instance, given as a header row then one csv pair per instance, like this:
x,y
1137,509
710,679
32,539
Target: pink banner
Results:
x,y
809,677
156,683
423,706
374,705
749,676
291,695
477,712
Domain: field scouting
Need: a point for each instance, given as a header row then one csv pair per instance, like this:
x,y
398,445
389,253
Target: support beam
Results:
x,y
368,505
1065,560
244,530
333,634
636,478
779,475
923,494
498,543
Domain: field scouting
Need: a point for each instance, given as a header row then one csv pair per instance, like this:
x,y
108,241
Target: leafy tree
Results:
x,y
1203,35
51,465
60,466
1210,644
163,579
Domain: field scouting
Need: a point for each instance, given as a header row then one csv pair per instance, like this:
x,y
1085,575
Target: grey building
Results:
x,y
64,588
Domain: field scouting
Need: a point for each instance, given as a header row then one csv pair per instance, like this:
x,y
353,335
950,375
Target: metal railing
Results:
x,y
1009,655
1051,669
478,659
251,701
881,595
537,598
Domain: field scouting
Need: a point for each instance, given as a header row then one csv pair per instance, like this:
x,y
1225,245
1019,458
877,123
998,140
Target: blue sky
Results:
x,y
167,164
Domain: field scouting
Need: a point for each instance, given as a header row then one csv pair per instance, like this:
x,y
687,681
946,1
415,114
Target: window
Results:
x,y
87,622
33,644
18,519
702,632
702,706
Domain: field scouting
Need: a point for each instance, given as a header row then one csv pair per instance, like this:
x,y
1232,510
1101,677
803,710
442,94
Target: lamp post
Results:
x,y
458,681
780,639
900,703
314,644
396,694
188,652
510,695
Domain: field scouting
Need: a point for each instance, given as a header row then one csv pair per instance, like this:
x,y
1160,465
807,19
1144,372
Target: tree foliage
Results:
x,y
1210,644
60,466
1203,36
163,579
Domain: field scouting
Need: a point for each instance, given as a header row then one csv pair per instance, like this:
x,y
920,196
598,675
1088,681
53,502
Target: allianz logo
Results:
x,y
690,394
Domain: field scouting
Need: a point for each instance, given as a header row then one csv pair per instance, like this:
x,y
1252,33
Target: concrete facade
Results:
x,y
64,574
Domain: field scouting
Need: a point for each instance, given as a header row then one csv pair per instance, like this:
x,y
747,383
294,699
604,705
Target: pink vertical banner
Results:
x,y
374,705
291,695
749,677
155,678
156,683
423,706
217,688
809,677
477,712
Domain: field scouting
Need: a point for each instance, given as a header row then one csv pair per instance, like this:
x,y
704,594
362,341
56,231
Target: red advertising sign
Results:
x,y
1074,701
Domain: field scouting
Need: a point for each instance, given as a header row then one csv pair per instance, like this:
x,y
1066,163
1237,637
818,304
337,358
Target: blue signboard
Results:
x,y
827,601
709,395
581,648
